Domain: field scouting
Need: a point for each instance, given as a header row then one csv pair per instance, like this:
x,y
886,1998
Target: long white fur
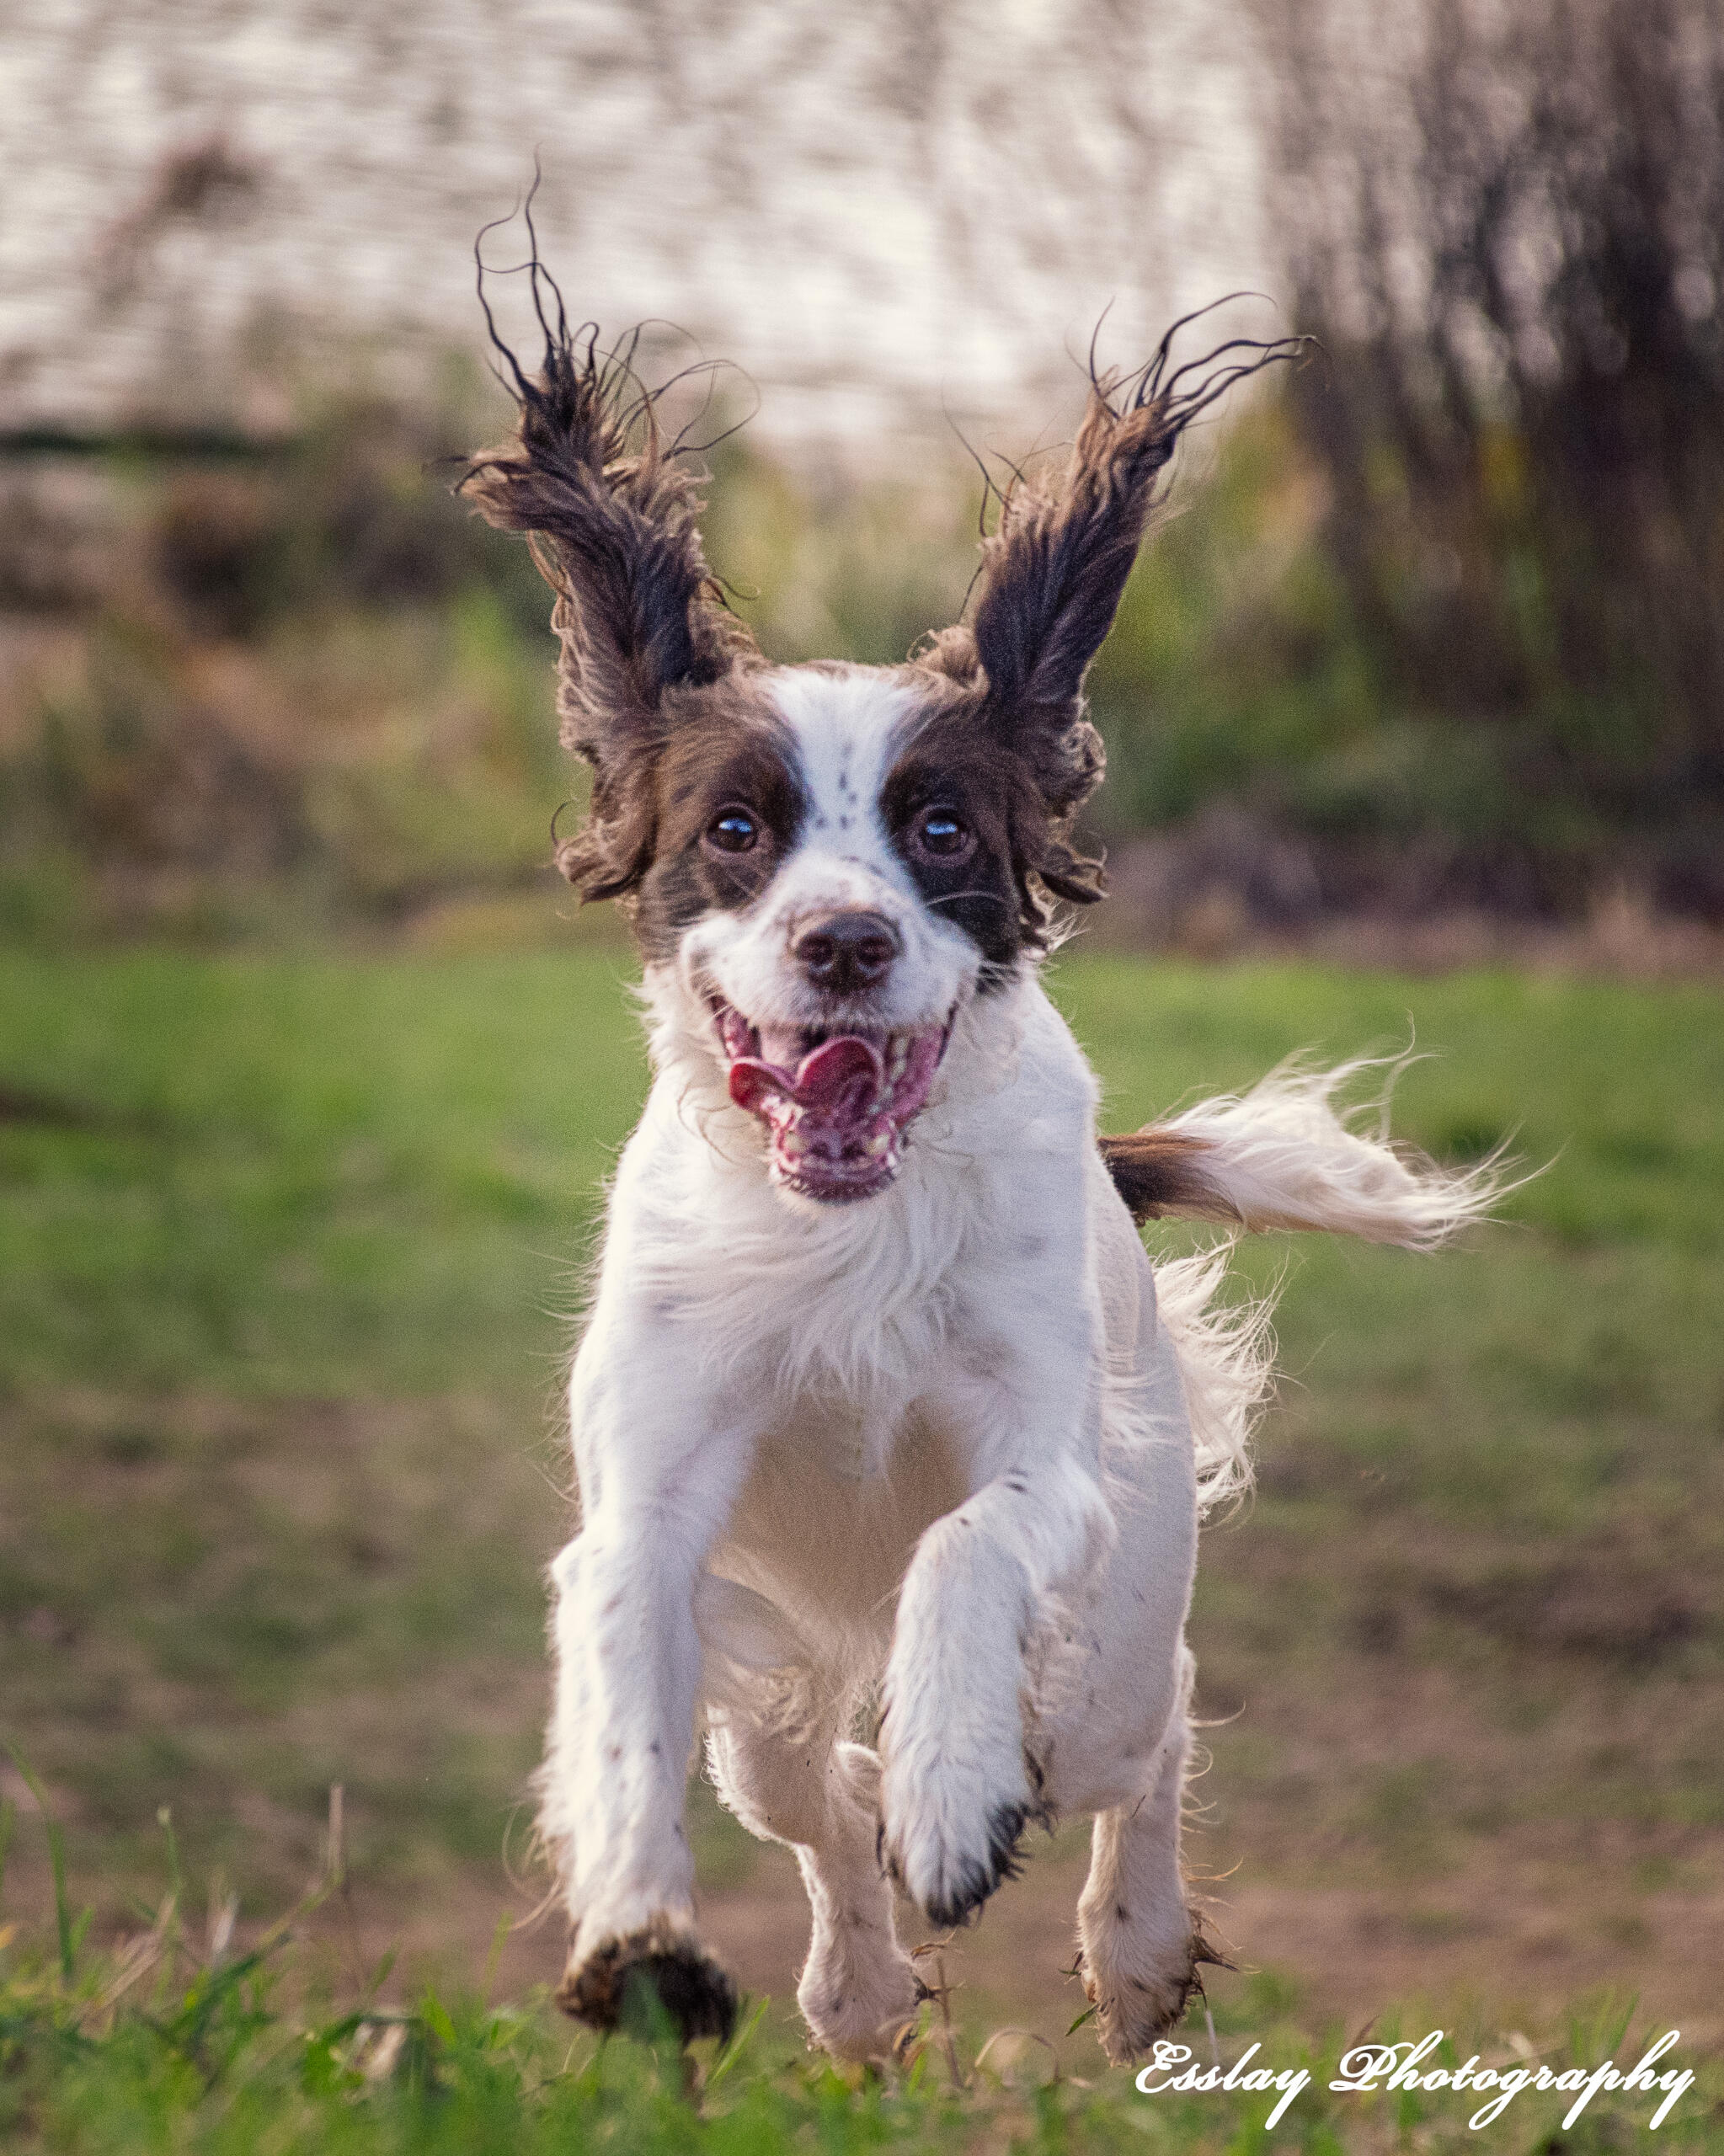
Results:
x,y
1281,1157
1226,1356
948,1445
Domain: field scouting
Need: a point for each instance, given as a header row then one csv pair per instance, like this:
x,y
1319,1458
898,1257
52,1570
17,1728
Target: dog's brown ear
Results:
x,y
612,513
1054,567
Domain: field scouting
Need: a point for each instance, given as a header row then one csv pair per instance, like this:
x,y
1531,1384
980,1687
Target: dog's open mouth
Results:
x,y
836,1105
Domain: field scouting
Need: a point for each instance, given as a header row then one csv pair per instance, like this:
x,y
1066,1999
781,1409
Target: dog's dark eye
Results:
x,y
733,831
939,833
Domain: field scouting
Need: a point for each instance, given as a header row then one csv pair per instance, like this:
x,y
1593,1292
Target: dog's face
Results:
x,y
837,868
831,860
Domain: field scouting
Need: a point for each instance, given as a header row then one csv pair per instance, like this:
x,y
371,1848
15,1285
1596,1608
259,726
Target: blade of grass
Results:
x,y
499,1940
732,2050
164,1820
57,1859
380,1975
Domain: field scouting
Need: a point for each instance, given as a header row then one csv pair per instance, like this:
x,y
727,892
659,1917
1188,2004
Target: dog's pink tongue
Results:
x,y
835,1087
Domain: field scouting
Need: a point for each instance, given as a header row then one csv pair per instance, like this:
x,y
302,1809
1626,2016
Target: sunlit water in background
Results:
x,y
885,214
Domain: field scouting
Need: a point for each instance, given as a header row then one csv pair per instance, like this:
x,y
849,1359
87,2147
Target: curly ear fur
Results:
x,y
1053,571
611,517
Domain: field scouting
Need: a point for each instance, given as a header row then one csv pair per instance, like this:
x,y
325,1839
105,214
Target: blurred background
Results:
x,y
1415,714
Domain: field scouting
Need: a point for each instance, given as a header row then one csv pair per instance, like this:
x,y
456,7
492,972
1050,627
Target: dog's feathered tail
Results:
x,y
1282,1156
1286,1154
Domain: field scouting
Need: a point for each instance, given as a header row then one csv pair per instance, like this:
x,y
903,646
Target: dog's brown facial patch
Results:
x,y
952,802
727,808
964,761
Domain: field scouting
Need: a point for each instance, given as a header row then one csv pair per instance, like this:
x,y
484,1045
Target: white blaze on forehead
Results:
x,y
846,731
848,728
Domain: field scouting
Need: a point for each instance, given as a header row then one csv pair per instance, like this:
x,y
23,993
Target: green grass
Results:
x,y
305,1178
288,1251
321,1176
226,2052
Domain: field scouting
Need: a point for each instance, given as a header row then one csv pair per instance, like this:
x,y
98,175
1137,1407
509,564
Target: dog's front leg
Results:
x,y
958,1784
659,1471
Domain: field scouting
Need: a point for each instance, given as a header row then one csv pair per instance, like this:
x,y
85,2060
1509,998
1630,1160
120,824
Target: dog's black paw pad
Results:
x,y
637,1983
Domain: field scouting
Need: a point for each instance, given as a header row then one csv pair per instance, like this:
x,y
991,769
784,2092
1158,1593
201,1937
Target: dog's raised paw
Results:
x,y
963,1890
630,1983
945,1844
950,1886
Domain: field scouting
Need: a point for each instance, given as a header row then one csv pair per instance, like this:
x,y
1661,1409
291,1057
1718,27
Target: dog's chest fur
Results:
x,y
849,1316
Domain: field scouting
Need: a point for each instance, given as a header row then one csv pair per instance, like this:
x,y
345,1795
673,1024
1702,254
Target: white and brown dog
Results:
x,y
883,1424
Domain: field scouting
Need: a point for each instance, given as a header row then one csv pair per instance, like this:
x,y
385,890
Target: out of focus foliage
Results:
x,y
1441,627
1518,267
305,676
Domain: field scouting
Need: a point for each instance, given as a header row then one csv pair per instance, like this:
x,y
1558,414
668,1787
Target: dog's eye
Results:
x,y
939,833
733,831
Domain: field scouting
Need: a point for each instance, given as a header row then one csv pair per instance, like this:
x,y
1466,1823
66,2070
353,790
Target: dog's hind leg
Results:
x,y
1139,1945
801,1786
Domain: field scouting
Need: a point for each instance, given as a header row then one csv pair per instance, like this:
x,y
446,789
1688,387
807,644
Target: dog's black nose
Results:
x,y
845,952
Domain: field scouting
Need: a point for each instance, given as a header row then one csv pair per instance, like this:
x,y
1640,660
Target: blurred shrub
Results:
x,y
1432,633
147,767
351,515
1513,253
837,570
313,674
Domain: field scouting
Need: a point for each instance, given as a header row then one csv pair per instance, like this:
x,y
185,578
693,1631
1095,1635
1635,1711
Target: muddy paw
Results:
x,y
1134,2005
615,1985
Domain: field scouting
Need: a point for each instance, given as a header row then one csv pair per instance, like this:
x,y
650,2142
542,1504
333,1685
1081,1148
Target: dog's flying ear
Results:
x,y
1054,567
612,515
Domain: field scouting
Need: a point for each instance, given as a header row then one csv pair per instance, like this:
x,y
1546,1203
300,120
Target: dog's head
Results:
x,y
832,860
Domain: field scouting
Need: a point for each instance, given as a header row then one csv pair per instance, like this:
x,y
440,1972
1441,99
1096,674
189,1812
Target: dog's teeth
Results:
x,y
879,1143
794,1143
898,1057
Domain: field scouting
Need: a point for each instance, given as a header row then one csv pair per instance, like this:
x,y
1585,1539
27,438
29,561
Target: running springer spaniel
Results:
x,y
880,1404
